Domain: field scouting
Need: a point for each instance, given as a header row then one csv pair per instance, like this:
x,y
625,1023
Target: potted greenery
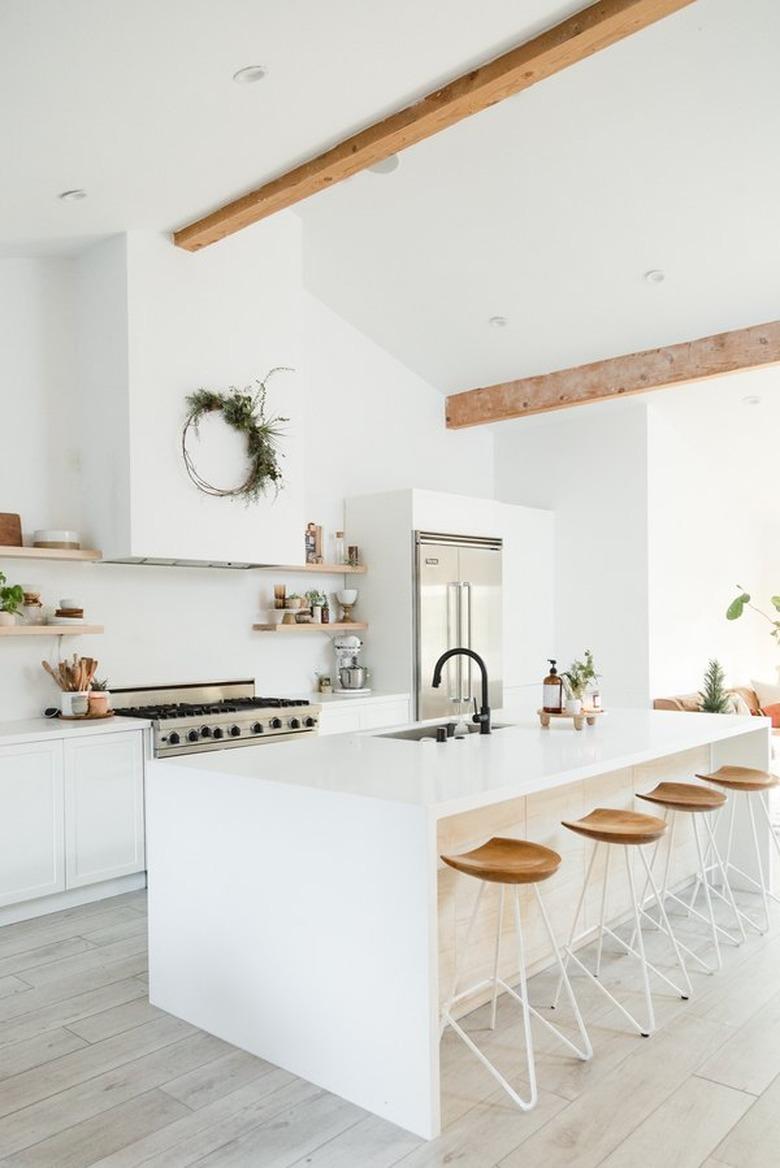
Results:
x,y
741,602
713,697
316,602
11,600
576,680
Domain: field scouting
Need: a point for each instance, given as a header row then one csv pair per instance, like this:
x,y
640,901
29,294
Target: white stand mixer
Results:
x,y
351,676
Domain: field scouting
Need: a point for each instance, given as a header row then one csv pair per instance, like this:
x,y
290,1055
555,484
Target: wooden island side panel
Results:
x,y
538,818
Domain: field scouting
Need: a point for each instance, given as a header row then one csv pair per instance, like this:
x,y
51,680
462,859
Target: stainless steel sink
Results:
x,y
419,732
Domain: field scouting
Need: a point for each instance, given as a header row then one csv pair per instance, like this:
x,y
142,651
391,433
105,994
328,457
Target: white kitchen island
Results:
x,y
298,907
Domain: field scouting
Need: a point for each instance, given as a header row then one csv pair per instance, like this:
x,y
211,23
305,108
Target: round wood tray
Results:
x,y
86,717
579,720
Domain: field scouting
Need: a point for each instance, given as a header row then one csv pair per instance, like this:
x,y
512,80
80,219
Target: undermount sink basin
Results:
x,y
419,732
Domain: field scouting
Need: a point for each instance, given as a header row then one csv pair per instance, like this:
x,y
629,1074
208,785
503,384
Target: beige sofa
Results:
x,y
690,704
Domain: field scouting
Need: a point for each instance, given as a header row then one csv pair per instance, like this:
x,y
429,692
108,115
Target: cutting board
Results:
x,y
10,530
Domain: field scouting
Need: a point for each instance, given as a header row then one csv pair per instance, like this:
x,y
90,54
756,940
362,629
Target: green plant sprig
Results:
x,y
11,597
743,601
713,697
244,411
579,675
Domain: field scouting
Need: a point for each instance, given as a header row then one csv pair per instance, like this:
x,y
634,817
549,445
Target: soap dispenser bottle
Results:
x,y
552,699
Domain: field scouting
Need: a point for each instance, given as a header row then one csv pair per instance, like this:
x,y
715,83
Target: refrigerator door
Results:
x,y
481,622
439,620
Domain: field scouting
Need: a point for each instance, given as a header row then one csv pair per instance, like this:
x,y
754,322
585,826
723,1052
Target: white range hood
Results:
x,y
156,323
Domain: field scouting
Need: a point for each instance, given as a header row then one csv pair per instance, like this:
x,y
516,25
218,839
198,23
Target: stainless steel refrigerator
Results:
x,y
458,604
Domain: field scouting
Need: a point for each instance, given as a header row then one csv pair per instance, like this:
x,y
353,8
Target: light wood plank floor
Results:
x,y
92,1075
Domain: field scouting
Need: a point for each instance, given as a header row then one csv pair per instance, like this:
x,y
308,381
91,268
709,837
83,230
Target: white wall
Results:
x,y
714,511
367,424
590,467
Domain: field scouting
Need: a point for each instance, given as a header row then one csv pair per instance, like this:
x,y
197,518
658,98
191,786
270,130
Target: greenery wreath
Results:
x,y
244,410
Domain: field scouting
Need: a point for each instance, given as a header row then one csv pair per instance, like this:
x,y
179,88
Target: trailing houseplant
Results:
x,y
11,601
713,697
244,411
743,601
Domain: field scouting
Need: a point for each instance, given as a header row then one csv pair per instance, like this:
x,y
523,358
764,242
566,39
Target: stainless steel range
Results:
x,y
214,716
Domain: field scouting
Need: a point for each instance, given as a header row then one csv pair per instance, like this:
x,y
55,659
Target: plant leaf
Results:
x,y
776,602
737,606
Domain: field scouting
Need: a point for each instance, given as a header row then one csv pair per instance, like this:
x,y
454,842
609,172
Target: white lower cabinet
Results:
x,y
32,843
347,719
104,808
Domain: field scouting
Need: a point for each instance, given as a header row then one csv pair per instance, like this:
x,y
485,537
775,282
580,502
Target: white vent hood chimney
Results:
x,y
154,324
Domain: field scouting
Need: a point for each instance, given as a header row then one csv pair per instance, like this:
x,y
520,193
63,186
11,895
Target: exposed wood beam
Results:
x,y
581,35
748,348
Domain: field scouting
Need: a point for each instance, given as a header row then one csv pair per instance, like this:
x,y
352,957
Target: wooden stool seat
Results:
x,y
685,797
507,861
608,825
739,778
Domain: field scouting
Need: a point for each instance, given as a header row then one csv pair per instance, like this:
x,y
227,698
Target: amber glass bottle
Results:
x,y
552,700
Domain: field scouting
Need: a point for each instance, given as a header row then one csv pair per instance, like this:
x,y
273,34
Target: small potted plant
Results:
x,y
99,698
11,601
576,681
316,601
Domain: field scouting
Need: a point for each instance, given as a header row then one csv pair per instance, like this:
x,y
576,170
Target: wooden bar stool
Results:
x,y
510,863
626,829
754,785
685,798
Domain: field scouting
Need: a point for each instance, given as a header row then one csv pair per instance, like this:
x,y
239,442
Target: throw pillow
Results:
x,y
773,712
737,704
767,693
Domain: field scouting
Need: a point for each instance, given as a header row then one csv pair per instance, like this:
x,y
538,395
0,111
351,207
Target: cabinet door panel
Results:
x,y
104,815
339,721
32,845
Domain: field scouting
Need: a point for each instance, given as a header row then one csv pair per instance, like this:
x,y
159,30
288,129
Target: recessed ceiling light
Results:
x,y
74,196
498,322
250,74
655,276
386,165
751,400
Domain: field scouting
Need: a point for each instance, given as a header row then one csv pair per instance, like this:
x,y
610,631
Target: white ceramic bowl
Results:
x,y
347,595
69,602
56,537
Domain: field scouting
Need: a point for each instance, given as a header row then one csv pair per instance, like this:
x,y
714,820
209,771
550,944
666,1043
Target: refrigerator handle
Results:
x,y
453,691
465,595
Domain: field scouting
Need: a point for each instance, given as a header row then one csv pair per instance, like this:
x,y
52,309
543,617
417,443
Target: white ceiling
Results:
x,y
658,153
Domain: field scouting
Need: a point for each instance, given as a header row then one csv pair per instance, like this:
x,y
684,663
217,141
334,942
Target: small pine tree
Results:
x,y
714,699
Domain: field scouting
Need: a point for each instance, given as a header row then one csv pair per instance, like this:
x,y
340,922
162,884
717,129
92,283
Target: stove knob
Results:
x,y
295,723
235,731
205,732
217,731
173,739
310,722
193,736
257,728
276,723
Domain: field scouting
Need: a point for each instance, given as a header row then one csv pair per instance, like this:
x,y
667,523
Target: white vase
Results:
x,y
574,705
7,618
316,614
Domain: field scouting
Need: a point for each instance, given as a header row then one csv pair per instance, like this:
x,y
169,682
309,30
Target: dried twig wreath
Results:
x,y
244,410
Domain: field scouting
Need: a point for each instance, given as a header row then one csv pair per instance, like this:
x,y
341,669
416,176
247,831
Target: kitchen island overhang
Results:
x,y
297,904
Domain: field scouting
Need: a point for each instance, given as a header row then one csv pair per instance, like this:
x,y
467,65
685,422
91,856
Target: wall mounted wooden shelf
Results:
x,y
48,630
352,627
330,569
34,553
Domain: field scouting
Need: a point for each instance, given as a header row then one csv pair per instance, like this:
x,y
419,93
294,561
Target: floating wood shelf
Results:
x,y
352,627
330,569
48,630
35,553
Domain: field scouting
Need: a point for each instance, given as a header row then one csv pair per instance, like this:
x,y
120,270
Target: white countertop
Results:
x,y
340,698
460,775
39,729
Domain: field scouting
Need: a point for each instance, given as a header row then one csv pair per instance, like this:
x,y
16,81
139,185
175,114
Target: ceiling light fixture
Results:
x,y
655,276
74,196
498,321
751,400
386,165
250,74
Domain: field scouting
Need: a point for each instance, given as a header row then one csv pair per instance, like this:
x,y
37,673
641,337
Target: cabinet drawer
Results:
x,y
381,714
